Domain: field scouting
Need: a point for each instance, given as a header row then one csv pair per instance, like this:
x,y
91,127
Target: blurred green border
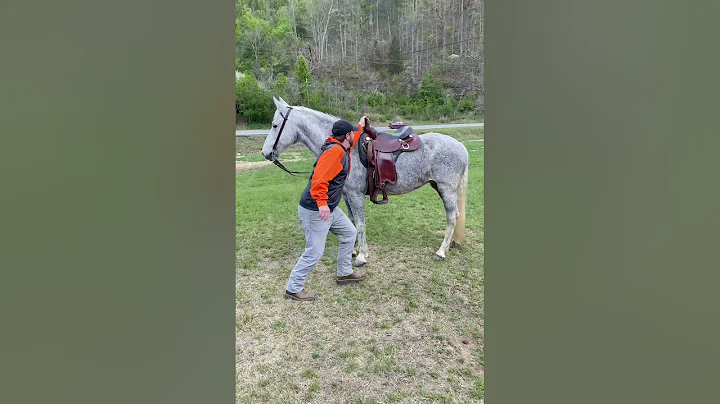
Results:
x,y
601,202
118,202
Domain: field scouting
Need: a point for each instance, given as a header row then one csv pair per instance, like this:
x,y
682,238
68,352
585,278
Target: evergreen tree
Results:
x,y
302,75
395,56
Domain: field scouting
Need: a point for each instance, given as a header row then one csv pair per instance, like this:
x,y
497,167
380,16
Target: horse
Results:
x,y
441,161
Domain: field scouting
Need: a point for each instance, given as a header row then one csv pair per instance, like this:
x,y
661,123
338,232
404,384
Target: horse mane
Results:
x,y
317,114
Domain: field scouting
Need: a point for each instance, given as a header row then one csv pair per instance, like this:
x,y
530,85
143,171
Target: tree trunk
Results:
x,y
377,19
462,12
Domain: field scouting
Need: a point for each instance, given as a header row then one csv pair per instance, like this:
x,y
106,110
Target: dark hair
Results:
x,y
339,138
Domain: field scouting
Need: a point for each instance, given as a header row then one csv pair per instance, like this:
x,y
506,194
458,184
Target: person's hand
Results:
x,y
324,212
363,121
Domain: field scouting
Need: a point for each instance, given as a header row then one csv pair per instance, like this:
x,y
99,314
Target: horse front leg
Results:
x,y
352,219
356,203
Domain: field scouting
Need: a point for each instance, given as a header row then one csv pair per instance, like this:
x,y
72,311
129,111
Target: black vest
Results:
x,y
335,187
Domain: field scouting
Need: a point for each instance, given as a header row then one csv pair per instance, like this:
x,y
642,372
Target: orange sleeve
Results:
x,y
328,166
356,136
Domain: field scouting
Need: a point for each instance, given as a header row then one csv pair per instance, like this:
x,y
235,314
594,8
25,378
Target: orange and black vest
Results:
x,y
334,185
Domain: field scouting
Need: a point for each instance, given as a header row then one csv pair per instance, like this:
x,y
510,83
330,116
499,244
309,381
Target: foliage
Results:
x,y
467,104
431,93
302,71
302,75
281,86
255,103
390,58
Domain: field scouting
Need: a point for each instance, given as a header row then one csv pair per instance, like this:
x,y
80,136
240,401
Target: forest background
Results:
x,y
414,60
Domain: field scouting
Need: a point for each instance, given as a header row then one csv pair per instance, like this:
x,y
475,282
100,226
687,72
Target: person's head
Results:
x,y
343,130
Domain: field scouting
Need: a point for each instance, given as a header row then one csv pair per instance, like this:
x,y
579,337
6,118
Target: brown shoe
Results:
x,y
352,278
301,295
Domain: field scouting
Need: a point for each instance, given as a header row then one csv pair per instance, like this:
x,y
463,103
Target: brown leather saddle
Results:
x,y
380,151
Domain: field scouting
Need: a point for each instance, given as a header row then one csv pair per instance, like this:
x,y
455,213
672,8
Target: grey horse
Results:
x,y
441,161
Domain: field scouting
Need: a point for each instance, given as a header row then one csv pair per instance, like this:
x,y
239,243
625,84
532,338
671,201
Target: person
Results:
x,y
319,214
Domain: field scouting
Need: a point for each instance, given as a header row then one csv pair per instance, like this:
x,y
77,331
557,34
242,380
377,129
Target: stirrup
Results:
x,y
374,196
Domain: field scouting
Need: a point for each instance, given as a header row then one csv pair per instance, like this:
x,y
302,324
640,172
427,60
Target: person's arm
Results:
x,y
327,167
358,133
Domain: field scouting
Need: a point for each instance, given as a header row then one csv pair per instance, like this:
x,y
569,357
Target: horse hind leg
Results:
x,y
450,201
458,236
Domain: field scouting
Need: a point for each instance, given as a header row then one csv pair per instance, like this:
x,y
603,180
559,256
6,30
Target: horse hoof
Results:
x,y
439,258
453,244
359,264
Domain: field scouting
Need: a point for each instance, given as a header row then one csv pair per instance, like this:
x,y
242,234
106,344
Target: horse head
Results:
x,y
284,131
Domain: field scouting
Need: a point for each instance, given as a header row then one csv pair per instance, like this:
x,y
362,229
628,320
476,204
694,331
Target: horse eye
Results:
x,y
274,126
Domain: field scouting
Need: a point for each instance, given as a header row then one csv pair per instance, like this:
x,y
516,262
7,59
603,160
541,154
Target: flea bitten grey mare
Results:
x,y
441,161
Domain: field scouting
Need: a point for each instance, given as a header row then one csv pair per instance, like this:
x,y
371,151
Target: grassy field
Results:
x,y
412,332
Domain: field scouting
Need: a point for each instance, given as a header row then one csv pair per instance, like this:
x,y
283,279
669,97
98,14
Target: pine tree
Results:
x,y
395,56
302,75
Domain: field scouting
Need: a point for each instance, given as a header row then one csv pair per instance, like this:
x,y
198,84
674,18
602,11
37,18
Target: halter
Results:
x,y
274,150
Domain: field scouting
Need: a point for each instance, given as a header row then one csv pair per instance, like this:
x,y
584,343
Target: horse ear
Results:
x,y
283,101
277,103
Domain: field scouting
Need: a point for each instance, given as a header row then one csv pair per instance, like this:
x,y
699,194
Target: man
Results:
x,y
319,213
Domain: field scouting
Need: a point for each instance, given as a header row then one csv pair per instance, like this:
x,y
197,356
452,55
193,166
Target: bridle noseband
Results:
x,y
274,150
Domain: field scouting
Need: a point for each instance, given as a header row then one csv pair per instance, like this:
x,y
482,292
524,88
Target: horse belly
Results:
x,y
412,173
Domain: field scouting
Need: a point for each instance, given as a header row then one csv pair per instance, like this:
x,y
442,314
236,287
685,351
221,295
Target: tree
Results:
x,y
281,86
378,58
302,70
395,56
302,75
365,46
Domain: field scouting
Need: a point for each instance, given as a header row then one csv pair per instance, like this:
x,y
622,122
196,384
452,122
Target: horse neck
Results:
x,y
314,130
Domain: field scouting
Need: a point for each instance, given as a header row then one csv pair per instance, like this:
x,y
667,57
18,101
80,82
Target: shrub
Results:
x,y
255,104
431,93
376,99
466,105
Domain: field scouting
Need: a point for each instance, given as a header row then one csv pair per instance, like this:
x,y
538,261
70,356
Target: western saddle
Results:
x,y
379,152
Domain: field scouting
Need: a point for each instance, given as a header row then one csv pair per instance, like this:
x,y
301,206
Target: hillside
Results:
x,y
390,59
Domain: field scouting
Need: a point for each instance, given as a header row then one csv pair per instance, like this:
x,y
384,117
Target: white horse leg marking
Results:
x,y
449,197
363,251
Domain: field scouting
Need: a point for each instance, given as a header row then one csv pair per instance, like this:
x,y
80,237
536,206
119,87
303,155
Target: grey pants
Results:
x,y
316,231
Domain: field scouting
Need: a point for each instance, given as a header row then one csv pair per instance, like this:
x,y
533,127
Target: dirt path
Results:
x,y
249,165
245,165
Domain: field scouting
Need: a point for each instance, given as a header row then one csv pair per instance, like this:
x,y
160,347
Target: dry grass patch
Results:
x,y
410,328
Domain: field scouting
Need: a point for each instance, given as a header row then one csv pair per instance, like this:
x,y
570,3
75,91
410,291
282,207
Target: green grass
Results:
x,y
413,331
252,126
421,122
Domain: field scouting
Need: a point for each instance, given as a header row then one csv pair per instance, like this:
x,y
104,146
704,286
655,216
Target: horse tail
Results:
x,y
462,195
